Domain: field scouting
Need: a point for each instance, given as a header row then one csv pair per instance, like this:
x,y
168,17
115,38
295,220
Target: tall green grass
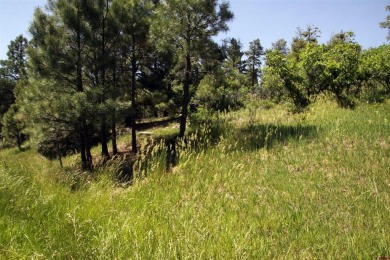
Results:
x,y
269,184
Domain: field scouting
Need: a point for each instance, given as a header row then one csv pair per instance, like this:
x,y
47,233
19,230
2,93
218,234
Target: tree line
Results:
x,y
92,67
339,67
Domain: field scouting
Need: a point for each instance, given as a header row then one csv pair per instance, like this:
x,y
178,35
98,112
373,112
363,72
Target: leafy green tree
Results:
x,y
375,65
342,71
223,87
279,73
188,25
386,24
208,94
222,90
272,86
253,61
312,67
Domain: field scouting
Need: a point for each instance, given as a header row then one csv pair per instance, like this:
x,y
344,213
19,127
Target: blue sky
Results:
x,y
268,20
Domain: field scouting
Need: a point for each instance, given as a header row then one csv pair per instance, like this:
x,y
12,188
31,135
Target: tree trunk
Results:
x,y
85,153
254,75
87,146
103,130
133,102
186,97
82,149
114,134
85,149
113,124
19,141
103,136
59,154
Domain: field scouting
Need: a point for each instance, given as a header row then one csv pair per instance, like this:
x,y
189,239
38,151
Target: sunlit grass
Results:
x,y
273,185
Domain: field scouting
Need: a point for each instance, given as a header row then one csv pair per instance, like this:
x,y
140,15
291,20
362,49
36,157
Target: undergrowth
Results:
x,y
257,183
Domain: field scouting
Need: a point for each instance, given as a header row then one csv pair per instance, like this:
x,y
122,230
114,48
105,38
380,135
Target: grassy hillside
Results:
x,y
275,185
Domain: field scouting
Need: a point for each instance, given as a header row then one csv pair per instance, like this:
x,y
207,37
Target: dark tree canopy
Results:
x,y
254,54
188,25
342,37
15,67
234,53
13,70
280,45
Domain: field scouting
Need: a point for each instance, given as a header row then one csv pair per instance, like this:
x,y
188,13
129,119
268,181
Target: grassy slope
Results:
x,y
305,186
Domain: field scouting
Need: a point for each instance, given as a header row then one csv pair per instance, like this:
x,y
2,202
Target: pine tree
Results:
x,y
280,45
134,17
13,126
186,25
253,61
234,53
101,42
386,24
15,67
304,37
58,61
12,71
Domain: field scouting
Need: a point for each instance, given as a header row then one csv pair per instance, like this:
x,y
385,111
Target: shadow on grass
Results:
x,y
165,151
22,149
246,138
257,136
158,123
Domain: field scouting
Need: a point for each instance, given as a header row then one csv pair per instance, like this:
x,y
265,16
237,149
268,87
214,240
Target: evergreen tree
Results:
x,y
342,37
310,35
58,60
386,24
280,45
7,97
187,25
13,126
15,67
101,42
234,53
253,61
304,37
134,17
12,71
